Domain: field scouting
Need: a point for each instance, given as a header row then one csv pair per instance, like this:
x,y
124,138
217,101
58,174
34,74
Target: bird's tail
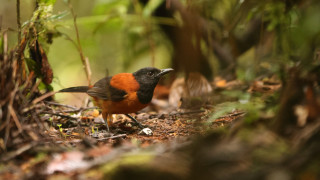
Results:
x,y
78,89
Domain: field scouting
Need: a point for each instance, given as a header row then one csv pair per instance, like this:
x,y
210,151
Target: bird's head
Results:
x,y
150,76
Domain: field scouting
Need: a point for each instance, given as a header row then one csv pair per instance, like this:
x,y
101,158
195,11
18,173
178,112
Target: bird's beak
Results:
x,y
164,71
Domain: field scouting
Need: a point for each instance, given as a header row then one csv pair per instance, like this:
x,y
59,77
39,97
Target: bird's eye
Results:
x,y
150,73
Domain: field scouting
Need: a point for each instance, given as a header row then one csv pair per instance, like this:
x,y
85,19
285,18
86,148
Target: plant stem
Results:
x,y
85,62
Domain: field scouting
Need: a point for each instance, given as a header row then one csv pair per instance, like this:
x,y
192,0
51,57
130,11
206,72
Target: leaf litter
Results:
x,y
77,140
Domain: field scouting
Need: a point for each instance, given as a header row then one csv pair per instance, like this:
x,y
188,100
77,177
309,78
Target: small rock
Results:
x,y
146,131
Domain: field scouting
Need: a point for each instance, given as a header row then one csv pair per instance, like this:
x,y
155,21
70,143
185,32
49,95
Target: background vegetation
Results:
x,y
46,43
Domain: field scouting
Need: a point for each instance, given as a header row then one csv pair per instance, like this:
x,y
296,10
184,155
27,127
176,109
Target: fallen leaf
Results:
x,y
66,162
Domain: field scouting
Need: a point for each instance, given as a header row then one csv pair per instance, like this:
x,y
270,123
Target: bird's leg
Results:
x,y
132,118
106,117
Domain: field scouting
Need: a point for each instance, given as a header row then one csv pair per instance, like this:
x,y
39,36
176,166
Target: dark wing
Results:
x,y
103,90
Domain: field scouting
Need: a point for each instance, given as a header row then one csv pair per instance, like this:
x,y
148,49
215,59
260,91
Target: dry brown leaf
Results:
x,y
67,162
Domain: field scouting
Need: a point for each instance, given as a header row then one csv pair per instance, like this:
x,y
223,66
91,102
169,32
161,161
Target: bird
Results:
x,y
123,93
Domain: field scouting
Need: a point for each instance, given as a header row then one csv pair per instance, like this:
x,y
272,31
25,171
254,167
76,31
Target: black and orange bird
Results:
x,y
123,93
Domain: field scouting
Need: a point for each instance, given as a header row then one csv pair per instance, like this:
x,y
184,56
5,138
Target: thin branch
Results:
x,y
8,126
112,137
61,115
43,97
21,68
18,21
5,46
81,140
83,59
80,109
35,86
74,109
17,152
31,107
63,105
15,118
70,39
88,69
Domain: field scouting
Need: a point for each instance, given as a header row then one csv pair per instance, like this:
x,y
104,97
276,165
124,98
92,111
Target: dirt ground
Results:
x,y
75,140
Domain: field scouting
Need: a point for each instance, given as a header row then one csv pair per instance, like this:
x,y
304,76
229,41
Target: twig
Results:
x,y
35,116
7,126
18,21
80,140
73,141
57,114
5,46
30,76
71,40
83,59
35,86
74,109
15,118
233,114
35,101
63,105
10,155
31,107
21,66
80,109
113,137
88,69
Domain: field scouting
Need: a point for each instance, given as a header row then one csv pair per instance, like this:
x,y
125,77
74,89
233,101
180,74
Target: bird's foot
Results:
x,y
137,122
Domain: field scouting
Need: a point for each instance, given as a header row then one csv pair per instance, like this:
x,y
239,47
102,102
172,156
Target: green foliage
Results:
x,y
46,2
44,87
275,15
305,36
253,106
33,66
126,160
60,128
94,129
151,7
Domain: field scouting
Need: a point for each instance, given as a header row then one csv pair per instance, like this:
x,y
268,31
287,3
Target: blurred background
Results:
x,y
254,61
113,40
234,39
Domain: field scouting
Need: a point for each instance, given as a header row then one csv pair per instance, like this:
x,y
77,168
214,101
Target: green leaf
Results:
x,y
151,7
47,2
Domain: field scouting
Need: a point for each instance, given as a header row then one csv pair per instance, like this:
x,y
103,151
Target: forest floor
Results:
x,y
61,151
76,143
